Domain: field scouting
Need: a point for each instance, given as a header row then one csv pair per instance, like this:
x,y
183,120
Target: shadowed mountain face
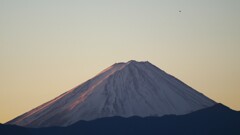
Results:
x,y
215,120
123,89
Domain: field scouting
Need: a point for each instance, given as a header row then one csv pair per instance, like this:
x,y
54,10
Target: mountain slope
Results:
x,y
124,89
215,120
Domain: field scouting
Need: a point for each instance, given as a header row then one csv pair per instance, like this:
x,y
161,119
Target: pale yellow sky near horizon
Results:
x,y
49,46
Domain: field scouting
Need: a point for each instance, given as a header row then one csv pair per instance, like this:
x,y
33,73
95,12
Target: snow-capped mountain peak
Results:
x,y
123,89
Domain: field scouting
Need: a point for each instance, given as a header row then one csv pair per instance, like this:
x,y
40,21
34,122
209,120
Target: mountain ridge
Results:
x,y
215,120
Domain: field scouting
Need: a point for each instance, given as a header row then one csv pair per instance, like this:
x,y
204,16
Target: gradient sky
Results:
x,y
49,46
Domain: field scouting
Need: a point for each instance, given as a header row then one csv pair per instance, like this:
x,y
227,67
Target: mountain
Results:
x,y
215,120
124,89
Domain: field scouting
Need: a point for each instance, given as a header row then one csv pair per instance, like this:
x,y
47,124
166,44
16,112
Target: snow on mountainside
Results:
x,y
124,89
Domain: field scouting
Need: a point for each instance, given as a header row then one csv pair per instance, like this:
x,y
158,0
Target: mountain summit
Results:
x,y
123,89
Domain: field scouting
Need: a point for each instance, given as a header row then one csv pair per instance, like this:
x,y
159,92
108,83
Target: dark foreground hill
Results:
x,y
215,120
